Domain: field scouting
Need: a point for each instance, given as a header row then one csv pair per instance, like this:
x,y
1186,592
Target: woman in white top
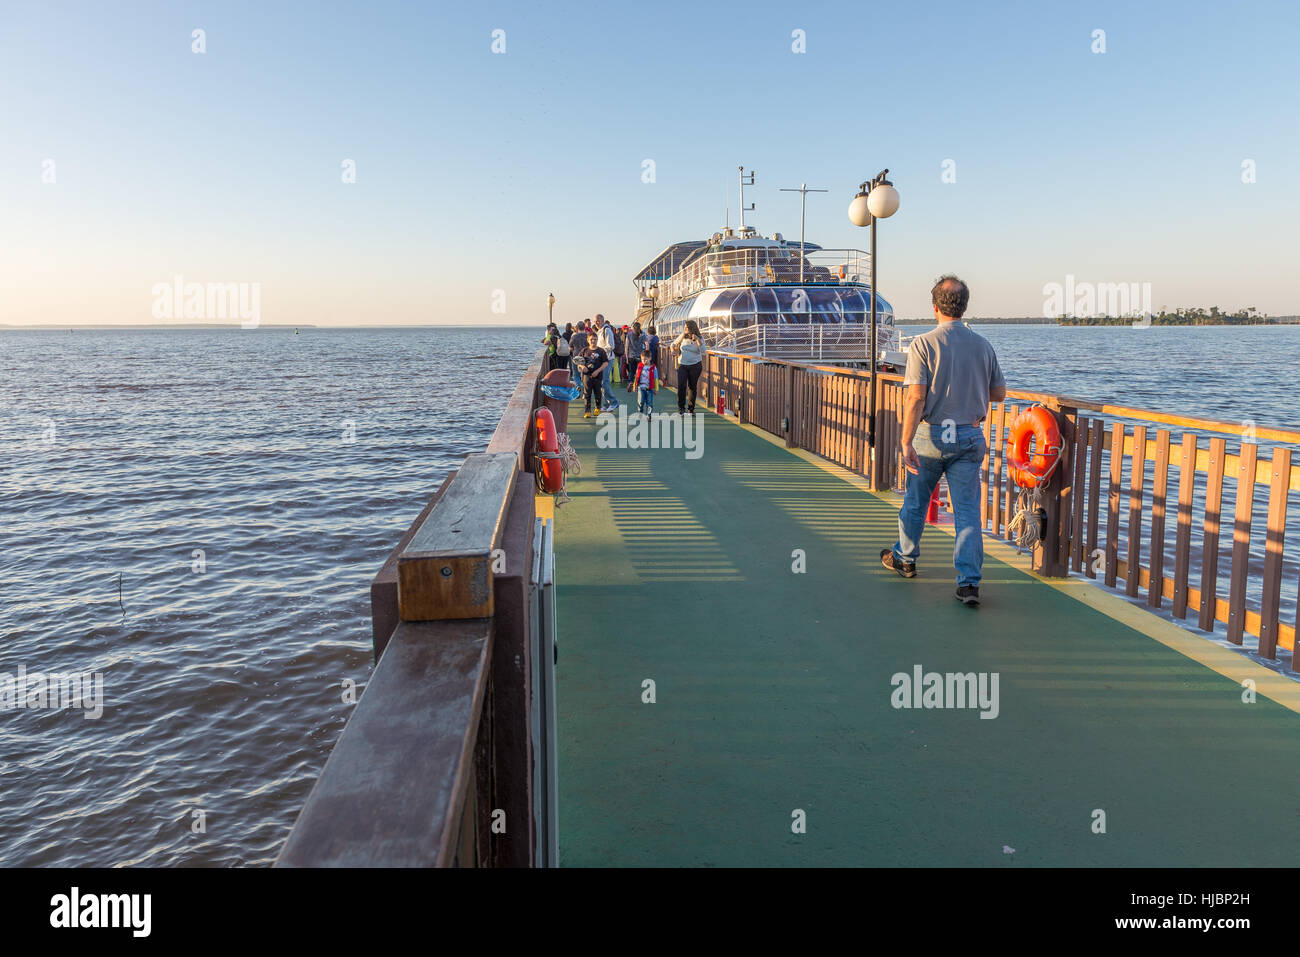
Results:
x,y
690,350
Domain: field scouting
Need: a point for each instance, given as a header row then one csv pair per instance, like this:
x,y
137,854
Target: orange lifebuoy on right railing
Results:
x,y
1039,425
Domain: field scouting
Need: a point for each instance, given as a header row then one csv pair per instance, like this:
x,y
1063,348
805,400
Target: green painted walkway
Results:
x,y
773,691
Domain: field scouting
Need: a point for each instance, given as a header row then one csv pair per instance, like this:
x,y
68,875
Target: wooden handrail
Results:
x,y
440,743
514,431
1100,520
393,791
1267,434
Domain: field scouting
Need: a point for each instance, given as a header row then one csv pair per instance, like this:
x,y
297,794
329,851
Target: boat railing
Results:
x,y
766,266
814,342
448,757
1183,514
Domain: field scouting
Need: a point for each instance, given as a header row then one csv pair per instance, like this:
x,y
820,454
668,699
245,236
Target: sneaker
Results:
x,y
890,561
588,415
968,595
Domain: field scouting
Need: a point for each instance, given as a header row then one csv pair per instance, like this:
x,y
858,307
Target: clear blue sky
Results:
x,y
522,172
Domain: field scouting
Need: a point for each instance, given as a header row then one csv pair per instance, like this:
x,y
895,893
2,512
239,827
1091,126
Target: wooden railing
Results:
x,y
1156,530
435,766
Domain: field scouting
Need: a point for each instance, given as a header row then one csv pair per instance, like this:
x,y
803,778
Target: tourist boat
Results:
x,y
770,297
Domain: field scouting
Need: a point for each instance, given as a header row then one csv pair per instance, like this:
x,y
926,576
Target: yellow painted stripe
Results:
x,y
1221,660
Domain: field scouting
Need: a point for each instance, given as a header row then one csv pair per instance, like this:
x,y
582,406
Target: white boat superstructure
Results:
x,y
766,296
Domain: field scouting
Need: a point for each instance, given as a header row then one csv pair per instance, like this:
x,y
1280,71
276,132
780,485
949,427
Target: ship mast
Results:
x,y
743,207
803,192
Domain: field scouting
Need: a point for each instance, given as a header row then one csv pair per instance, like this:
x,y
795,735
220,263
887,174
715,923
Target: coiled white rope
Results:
x,y
572,465
1024,525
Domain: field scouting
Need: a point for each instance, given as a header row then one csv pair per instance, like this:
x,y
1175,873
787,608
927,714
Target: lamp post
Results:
x,y
550,308
654,297
876,199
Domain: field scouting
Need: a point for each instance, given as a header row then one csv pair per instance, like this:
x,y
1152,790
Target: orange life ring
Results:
x,y
1038,424
550,467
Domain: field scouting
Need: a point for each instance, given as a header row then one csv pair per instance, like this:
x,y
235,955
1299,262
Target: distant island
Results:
x,y
1190,316
1187,316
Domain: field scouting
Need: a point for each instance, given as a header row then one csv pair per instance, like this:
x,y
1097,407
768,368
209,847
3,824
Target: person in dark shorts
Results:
x,y
595,361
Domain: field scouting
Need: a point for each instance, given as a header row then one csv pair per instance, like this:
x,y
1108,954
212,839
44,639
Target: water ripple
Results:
x,y
244,488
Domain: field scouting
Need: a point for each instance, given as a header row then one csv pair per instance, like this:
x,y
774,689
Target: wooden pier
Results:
x,y
728,645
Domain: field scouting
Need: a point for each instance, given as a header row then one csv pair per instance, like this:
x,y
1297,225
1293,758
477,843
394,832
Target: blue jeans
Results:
x,y
604,384
647,403
960,460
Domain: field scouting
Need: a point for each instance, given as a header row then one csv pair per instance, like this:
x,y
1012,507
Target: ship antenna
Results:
x,y
743,208
803,192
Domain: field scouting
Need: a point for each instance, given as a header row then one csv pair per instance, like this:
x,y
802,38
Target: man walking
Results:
x,y
605,336
952,376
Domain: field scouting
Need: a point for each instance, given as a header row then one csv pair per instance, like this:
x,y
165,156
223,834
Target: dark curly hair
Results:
x,y
950,296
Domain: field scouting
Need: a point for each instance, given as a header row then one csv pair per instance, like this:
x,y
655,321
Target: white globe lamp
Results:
x,y
882,202
859,214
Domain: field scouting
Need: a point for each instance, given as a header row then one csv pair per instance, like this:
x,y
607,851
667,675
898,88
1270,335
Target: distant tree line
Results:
x,y
1185,316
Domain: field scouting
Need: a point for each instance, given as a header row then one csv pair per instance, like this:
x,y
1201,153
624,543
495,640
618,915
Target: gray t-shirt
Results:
x,y
959,367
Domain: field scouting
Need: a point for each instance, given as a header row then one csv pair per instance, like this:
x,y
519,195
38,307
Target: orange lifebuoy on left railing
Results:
x,y
1039,425
550,467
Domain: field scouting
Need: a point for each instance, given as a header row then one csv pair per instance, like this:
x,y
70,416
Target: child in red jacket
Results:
x,y
647,383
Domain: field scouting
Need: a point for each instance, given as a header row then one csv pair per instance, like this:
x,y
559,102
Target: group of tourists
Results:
x,y
597,354
951,378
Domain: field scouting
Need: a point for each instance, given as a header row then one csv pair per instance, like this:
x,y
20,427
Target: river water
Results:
x,y
196,515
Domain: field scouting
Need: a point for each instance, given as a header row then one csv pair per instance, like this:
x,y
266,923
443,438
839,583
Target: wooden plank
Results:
x,y
1012,490
1112,507
384,617
1273,542
445,571
833,397
1295,658
999,456
392,792
790,414
837,419
1159,495
895,452
1137,480
985,469
1056,548
878,459
1080,487
1241,541
1210,542
1097,442
859,428
816,410
1183,537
